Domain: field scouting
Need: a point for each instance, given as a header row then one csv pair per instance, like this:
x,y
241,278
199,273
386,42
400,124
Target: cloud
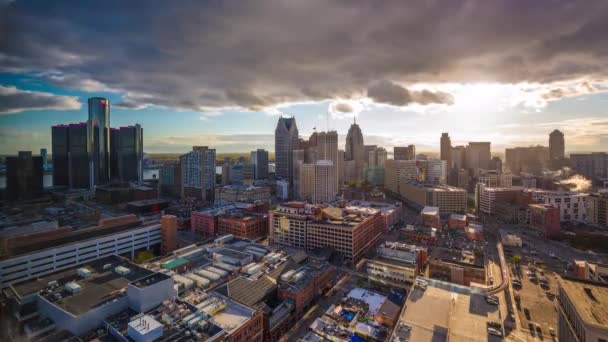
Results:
x,y
13,100
257,54
394,94
343,107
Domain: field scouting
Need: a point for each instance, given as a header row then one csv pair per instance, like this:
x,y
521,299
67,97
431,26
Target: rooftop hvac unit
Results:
x,y
287,275
122,270
207,274
83,272
107,267
217,271
72,287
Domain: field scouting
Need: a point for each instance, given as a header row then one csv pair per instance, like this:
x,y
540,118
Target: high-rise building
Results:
x,y
478,156
98,140
259,159
114,155
398,172
45,159
131,155
341,167
355,150
326,186
60,150
446,149
581,311
557,147
496,164
459,158
531,159
23,176
495,179
327,149
170,178
305,185
376,156
285,141
591,165
198,173
404,152
79,165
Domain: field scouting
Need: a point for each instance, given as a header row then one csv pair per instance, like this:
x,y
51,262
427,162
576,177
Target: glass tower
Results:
x,y
98,140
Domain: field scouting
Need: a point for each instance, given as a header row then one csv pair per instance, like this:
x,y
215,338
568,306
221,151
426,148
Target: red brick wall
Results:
x,y
203,224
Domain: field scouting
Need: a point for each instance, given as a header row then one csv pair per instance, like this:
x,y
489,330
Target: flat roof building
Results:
x,y
449,199
582,311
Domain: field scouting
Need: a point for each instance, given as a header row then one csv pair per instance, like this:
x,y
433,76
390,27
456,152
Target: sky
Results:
x,y
220,73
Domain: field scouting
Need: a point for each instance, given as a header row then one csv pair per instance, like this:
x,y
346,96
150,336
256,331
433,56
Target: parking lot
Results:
x,y
535,300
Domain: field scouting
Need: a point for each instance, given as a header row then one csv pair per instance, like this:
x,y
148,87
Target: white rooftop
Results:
x,y
373,299
430,211
144,324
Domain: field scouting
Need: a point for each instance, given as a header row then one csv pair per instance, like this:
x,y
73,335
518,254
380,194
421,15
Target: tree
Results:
x,y
142,256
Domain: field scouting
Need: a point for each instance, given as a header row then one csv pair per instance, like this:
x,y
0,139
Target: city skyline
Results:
x,y
510,87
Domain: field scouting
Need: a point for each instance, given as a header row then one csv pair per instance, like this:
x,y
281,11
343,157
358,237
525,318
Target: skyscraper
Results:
x,y
259,159
98,140
355,150
327,149
79,165
556,145
114,157
478,156
23,176
326,186
44,157
60,149
446,149
404,152
198,173
130,152
285,141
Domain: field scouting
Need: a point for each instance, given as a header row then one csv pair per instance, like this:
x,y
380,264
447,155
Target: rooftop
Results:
x,y
233,316
430,211
103,285
446,312
462,257
590,299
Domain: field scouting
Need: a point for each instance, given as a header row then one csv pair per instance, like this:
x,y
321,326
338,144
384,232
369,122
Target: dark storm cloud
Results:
x,y
13,100
394,94
195,54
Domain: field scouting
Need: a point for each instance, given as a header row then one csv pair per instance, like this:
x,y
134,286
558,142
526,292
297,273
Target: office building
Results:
x,y
60,150
285,141
198,173
45,159
78,299
572,205
114,154
341,166
170,178
557,147
243,224
449,199
545,218
130,154
375,175
477,156
308,227
496,164
582,308
591,165
487,197
23,176
242,193
79,157
305,185
206,222
376,156
446,149
259,159
355,151
326,186
495,179
530,160
327,149
98,140
427,171
597,208
396,264
404,152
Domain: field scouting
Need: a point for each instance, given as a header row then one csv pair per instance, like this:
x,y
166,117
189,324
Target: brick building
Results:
x,y
545,218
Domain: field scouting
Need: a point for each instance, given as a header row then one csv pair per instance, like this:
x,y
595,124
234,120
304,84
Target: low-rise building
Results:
x,y
456,266
242,193
205,222
596,272
457,221
396,264
429,217
448,199
545,218
303,285
582,310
